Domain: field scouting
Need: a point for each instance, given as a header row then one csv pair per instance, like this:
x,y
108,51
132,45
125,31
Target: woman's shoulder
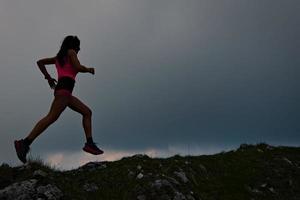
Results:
x,y
47,61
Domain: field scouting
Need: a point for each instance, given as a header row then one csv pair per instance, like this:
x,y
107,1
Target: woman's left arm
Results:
x,y
47,61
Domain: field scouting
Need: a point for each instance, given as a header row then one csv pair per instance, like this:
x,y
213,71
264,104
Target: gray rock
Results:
x,y
90,187
140,176
182,176
139,167
253,190
179,196
272,190
25,190
19,191
260,151
287,160
203,168
50,191
25,166
39,172
172,180
131,174
263,185
141,197
158,184
92,166
190,197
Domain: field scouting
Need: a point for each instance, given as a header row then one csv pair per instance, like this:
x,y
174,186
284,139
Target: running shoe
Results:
x,y
92,149
22,149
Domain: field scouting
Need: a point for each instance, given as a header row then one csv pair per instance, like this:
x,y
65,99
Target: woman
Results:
x,y
67,65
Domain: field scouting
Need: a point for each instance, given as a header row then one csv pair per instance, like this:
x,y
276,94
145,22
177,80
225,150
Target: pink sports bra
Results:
x,y
67,70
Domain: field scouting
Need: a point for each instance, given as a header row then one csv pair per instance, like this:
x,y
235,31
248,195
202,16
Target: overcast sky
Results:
x,y
172,76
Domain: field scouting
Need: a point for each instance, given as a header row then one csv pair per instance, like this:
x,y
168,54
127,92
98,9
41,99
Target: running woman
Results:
x,y
67,66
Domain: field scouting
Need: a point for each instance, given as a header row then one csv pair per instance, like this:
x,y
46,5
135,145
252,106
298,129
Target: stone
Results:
x,y
179,196
263,185
50,191
139,176
190,197
182,176
25,166
272,190
203,168
131,174
253,190
288,161
173,180
158,184
90,187
260,151
39,172
92,166
19,191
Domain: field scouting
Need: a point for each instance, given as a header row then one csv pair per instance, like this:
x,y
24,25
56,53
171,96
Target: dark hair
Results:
x,y
70,42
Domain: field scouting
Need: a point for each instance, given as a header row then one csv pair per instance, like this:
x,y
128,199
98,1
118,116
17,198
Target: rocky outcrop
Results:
x,y
24,190
29,190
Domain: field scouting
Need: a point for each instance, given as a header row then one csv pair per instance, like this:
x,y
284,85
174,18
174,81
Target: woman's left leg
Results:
x,y
76,105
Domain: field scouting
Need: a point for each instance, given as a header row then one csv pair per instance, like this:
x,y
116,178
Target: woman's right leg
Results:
x,y
59,104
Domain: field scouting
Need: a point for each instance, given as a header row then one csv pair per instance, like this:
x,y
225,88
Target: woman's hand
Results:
x,y
52,83
92,70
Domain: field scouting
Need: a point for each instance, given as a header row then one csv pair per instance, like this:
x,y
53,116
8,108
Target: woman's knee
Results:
x,y
52,117
87,112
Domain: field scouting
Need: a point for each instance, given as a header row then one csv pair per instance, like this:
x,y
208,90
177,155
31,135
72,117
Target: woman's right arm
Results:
x,y
75,62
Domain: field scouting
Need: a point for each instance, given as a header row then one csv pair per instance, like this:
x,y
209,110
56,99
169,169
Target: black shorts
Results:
x,y
65,85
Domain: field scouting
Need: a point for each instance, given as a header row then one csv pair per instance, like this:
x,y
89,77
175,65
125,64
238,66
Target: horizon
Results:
x,y
65,161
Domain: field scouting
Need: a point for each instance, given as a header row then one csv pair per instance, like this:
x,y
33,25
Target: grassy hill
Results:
x,y
250,172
